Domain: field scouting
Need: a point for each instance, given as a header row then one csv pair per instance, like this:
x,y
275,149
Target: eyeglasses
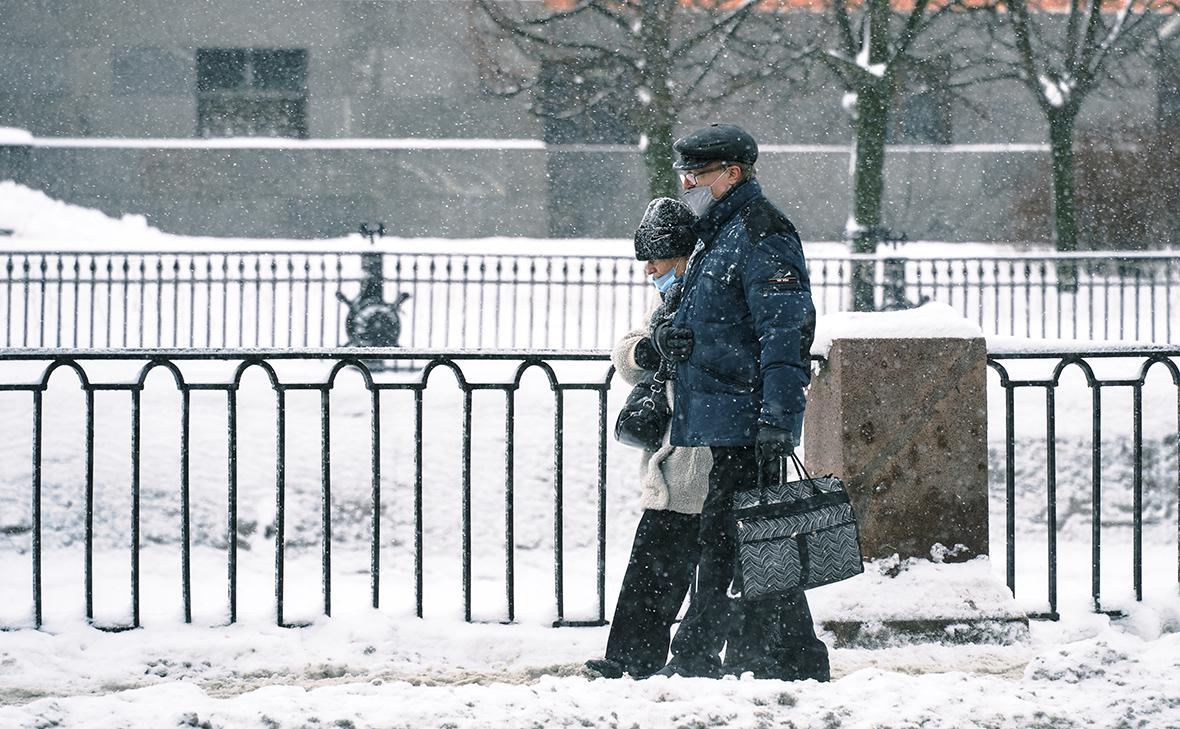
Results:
x,y
693,177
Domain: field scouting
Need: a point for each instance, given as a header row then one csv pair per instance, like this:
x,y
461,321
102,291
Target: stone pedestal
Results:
x,y
904,423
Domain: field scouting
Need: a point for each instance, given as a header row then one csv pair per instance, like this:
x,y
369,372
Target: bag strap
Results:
x,y
659,381
800,470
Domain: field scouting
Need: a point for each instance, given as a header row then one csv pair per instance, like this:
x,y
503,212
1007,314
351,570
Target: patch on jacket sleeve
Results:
x,y
784,277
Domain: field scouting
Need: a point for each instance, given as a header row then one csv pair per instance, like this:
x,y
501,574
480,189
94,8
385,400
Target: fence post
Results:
x,y
904,422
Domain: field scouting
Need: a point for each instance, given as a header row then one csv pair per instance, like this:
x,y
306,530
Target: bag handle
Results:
x,y
658,381
800,470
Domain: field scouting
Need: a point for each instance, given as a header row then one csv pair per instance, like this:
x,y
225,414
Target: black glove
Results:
x,y
673,343
771,447
646,355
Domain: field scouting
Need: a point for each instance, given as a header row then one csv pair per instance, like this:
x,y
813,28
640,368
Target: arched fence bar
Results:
x,y
1085,453
384,373
1107,492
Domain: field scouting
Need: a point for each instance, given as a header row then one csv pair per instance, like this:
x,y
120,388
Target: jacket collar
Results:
x,y
719,213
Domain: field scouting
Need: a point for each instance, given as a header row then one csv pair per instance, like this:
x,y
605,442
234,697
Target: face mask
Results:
x,y
698,199
665,282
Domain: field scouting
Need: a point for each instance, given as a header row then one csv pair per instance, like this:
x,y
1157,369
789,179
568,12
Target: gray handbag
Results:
x,y
795,535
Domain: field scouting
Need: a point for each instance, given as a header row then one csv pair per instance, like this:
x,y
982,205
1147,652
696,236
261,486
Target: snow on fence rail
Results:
x,y
136,299
390,488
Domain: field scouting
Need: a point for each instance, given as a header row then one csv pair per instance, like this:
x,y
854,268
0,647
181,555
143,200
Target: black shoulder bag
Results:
x,y
644,418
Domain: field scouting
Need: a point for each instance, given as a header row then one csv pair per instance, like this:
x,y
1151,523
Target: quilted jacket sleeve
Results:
x,y
778,293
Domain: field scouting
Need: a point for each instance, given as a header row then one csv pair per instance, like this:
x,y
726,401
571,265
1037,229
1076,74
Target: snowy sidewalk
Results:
x,y
379,671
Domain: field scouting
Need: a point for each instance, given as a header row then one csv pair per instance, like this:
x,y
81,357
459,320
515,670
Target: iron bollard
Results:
x,y
372,321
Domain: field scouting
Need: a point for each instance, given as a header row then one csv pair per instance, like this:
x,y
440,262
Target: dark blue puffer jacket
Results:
x,y
747,300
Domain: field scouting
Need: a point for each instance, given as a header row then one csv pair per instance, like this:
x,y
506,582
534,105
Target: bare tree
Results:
x,y
869,47
643,59
1063,52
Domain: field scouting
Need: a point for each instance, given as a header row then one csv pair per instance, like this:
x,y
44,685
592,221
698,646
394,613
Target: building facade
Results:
x,y
301,118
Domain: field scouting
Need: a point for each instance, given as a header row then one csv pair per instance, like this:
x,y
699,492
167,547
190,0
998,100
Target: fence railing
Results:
x,y
1111,373
264,299
125,373
387,410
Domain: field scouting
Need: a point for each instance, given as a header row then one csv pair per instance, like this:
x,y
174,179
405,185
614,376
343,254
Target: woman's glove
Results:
x,y
672,343
646,355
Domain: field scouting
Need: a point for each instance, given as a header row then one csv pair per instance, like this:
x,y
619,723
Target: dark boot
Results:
x,y
693,668
775,638
606,668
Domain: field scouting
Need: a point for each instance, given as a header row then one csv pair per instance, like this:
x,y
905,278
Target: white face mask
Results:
x,y
698,199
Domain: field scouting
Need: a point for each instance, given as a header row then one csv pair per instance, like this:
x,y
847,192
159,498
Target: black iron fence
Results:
x,y
127,299
1063,470
1126,387
28,373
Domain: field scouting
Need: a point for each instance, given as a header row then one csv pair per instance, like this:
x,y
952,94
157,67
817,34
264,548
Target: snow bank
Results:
x,y
14,136
37,220
932,320
893,589
41,223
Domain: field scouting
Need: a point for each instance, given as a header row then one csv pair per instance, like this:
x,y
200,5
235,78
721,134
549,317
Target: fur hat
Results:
x,y
665,231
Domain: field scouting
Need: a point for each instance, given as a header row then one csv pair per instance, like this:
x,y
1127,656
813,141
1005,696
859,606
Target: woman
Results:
x,y
674,479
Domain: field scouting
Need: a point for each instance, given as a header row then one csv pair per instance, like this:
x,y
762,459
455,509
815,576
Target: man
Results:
x,y
741,339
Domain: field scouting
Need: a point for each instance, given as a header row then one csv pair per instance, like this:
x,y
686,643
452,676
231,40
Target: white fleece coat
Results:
x,y
675,478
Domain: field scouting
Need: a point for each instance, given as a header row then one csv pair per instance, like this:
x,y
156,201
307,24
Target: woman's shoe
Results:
x,y
606,668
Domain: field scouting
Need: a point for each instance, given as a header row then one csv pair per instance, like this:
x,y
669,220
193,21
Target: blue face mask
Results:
x,y
665,282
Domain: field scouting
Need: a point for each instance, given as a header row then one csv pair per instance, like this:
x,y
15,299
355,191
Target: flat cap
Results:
x,y
715,143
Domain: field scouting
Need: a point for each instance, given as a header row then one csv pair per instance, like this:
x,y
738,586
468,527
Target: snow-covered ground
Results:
x,y
386,668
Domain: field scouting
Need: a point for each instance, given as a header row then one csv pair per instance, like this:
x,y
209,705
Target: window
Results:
x,y
922,105
251,92
582,102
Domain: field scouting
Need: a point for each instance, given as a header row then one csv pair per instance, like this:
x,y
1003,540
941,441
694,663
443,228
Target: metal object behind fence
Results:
x,y
468,301
1136,365
87,365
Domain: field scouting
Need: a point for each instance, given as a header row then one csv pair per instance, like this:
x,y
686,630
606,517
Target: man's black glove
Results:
x,y
646,355
772,445
673,343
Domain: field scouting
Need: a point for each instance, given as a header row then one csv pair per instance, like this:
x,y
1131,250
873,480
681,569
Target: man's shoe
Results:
x,y
699,668
779,673
605,667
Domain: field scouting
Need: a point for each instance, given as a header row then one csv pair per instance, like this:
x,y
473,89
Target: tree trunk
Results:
x,y
867,188
1065,224
872,123
661,178
659,117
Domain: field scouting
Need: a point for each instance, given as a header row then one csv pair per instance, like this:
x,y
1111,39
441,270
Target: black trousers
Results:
x,y
659,574
773,637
